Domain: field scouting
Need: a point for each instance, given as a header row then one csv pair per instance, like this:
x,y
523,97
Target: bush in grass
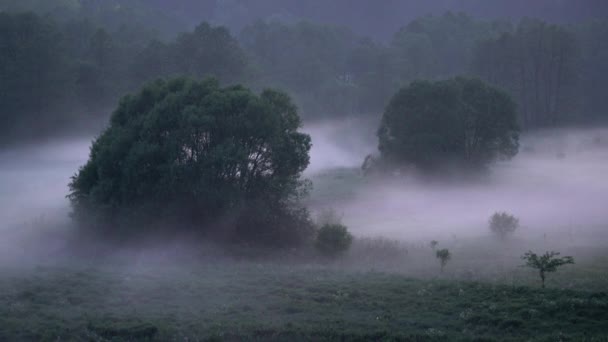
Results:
x,y
546,263
444,256
333,239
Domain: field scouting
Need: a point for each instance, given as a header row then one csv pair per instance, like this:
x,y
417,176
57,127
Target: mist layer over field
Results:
x,y
556,183
34,178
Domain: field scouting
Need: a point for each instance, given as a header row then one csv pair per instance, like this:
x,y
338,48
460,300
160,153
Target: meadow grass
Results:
x,y
238,300
381,290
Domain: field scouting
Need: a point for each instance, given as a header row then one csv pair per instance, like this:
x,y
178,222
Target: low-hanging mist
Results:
x,y
555,183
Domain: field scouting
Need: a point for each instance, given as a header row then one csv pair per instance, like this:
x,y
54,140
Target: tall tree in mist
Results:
x,y
537,64
460,120
330,70
434,47
33,72
195,156
593,39
208,51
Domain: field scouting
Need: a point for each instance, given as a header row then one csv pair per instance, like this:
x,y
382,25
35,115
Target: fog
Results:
x,y
556,186
33,180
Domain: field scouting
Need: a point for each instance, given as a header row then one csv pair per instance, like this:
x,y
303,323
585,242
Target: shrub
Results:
x,y
503,224
333,239
548,262
444,256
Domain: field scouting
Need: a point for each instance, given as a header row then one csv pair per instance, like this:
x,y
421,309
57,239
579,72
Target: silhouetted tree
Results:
x,y
444,256
593,69
333,239
34,75
537,64
503,224
434,47
548,262
459,120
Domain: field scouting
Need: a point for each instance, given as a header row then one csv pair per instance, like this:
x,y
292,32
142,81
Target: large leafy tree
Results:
x,y
458,120
197,156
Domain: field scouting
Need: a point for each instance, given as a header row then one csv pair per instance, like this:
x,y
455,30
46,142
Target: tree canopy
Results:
x,y
65,68
536,63
196,155
459,120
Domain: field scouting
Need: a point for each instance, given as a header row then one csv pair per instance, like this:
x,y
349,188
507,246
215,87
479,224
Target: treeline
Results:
x,y
361,16
59,74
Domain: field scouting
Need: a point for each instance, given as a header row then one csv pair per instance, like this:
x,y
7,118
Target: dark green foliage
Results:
x,y
503,224
444,256
537,64
592,38
333,239
193,153
109,14
330,70
57,76
548,262
68,72
33,71
459,120
208,51
435,47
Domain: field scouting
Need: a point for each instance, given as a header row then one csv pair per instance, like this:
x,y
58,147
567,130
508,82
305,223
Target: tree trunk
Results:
x,y
542,279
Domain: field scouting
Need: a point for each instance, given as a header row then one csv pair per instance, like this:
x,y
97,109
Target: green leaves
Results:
x,y
193,152
458,120
538,63
333,239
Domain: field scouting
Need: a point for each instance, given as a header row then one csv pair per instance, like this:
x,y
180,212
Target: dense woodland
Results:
x,y
65,67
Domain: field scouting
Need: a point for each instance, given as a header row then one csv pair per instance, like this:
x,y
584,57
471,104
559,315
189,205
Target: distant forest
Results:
x,y
65,64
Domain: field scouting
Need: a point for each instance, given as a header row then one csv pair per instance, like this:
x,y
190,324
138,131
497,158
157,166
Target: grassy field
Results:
x,y
221,300
381,290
